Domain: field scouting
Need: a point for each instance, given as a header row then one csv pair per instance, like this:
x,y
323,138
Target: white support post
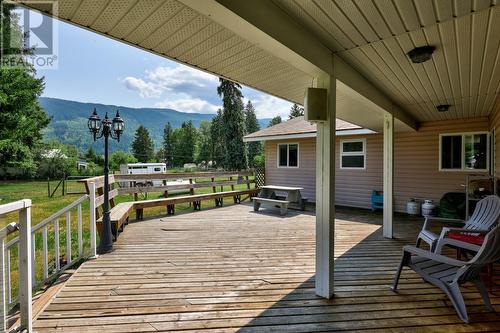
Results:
x,y
25,292
388,174
325,192
93,244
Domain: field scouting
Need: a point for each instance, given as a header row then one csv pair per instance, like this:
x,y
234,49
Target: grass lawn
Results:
x,y
43,207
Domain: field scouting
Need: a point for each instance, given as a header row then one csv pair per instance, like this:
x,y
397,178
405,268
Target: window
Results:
x,y
288,155
464,151
352,154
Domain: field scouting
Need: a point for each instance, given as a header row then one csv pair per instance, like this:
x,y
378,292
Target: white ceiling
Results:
x,y
372,36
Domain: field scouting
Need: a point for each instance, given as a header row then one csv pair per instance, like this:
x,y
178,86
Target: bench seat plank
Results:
x,y
257,201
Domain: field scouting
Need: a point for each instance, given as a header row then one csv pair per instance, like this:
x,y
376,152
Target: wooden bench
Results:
x,y
195,199
283,204
142,184
118,217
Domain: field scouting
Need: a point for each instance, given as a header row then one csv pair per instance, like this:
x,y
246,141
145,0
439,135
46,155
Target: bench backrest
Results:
x,y
146,183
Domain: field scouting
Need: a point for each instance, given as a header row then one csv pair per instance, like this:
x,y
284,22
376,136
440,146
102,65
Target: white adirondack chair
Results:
x,y
448,274
484,218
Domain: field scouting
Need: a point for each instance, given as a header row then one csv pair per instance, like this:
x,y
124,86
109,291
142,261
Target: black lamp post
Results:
x,y
106,128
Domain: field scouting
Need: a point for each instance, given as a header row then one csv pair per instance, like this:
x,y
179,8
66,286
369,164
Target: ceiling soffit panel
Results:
x,y
374,37
171,29
464,70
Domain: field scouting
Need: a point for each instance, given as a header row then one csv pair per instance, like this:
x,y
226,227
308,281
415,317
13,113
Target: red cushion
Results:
x,y
471,239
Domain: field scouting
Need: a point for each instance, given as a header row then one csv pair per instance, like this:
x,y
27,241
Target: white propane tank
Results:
x,y
428,208
412,207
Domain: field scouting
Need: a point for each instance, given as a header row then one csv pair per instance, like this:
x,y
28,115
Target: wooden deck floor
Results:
x,y
230,269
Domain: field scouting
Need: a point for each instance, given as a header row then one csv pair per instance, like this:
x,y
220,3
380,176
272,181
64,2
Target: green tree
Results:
x,y
276,120
217,134
188,142
204,143
252,125
143,146
57,160
21,118
234,125
118,158
167,144
90,155
177,153
296,111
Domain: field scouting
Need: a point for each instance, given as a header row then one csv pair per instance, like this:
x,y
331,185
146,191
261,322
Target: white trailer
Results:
x,y
144,168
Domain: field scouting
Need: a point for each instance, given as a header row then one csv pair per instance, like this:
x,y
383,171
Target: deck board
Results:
x,y
230,269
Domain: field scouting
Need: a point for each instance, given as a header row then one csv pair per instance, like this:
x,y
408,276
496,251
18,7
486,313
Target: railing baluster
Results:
x,y
80,231
3,273
93,245
45,254
68,237
33,260
7,276
56,244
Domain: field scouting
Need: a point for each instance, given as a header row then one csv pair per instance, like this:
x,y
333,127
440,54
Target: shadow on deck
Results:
x,y
230,269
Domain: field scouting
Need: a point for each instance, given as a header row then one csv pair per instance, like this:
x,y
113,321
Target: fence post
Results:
x,y
93,244
25,292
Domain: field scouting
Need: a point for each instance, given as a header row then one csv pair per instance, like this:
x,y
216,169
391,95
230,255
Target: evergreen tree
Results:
x,y
234,125
252,125
143,146
204,143
90,155
21,118
167,144
217,135
177,154
276,120
188,142
296,111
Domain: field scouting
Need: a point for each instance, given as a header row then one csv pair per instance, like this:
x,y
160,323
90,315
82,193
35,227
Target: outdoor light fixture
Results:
x,y
443,107
421,54
106,128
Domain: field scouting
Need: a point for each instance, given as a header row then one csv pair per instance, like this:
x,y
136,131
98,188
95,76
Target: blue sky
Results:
x,y
94,68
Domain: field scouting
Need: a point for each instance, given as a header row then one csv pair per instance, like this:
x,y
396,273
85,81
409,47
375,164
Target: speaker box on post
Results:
x,y
315,104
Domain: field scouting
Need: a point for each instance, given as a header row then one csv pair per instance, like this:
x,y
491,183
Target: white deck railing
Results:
x,y
28,254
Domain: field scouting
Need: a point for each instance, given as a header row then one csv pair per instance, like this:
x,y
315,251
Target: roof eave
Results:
x,y
360,131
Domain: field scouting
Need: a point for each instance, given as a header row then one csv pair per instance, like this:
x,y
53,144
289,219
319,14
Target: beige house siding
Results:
x,y
416,161
495,125
353,187
303,176
416,166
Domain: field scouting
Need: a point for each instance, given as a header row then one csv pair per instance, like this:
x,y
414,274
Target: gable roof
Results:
x,y
300,128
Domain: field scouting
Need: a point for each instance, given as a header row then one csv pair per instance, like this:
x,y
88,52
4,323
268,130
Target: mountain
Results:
x,y
69,122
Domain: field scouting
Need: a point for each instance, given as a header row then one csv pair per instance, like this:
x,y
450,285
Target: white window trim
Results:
x,y
463,169
287,155
357,153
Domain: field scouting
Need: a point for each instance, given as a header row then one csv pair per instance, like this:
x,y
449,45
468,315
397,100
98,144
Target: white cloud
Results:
x,y
267,106
170,78
145,89
187,89
191,105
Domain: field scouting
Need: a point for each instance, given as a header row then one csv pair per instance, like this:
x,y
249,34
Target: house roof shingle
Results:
x,y
297,126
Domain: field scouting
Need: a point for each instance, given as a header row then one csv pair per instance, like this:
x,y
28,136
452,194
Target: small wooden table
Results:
x,y
293,196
